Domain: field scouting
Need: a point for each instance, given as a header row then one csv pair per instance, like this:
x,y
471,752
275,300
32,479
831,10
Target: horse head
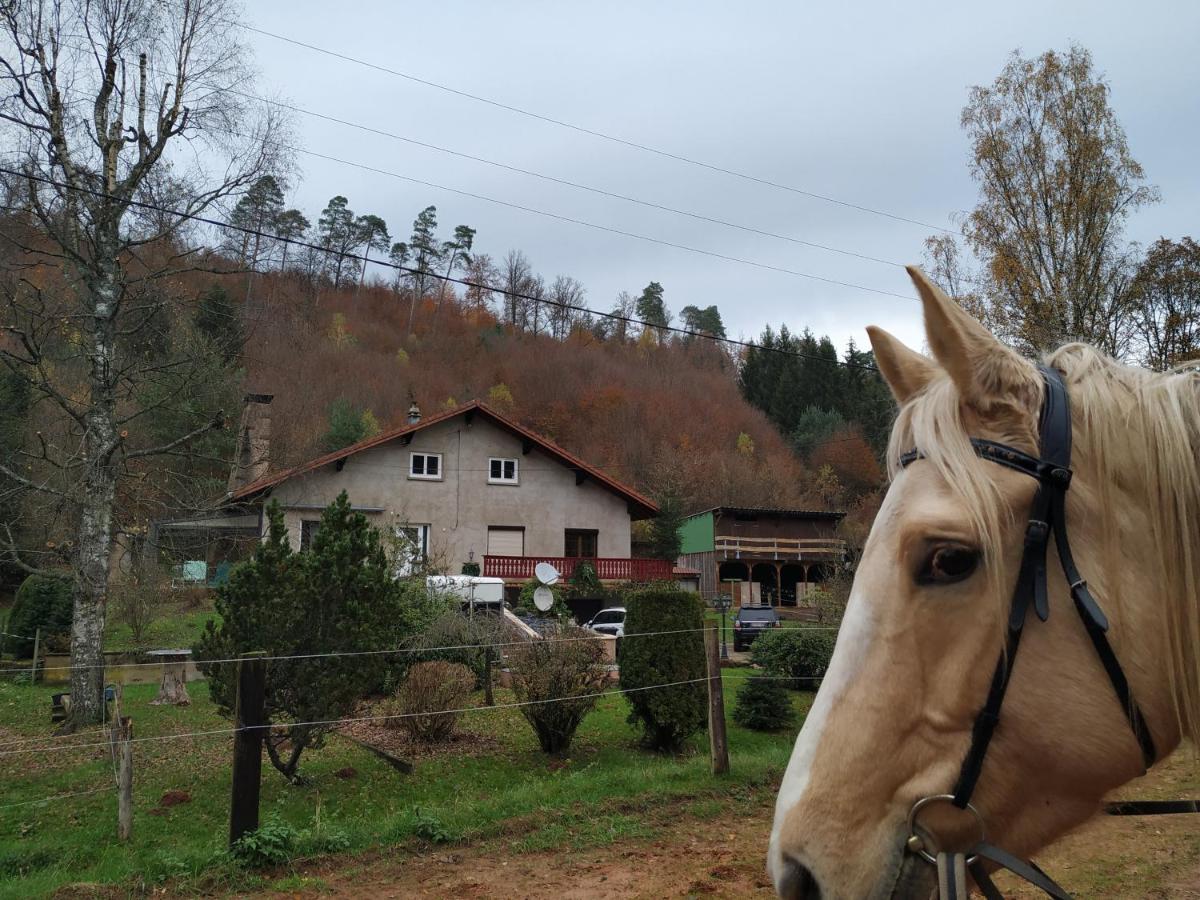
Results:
x,y
929,616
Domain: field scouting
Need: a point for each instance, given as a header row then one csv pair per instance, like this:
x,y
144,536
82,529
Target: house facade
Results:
x,y
761,555
470,486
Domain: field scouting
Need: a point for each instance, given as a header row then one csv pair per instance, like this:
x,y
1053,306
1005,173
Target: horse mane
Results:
x,y
1139,431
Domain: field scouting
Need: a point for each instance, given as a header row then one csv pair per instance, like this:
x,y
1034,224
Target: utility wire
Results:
x,y
583,223
662,242
749,229
332,653
55,797
646,148
629,320
358,719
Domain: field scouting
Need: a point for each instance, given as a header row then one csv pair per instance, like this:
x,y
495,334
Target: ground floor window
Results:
x,y
308,531
412,548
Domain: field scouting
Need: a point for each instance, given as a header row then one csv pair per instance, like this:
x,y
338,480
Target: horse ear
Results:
x,y
905,370
981,367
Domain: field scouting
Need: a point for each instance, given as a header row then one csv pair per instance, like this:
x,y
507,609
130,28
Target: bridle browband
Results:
x,y
1052,471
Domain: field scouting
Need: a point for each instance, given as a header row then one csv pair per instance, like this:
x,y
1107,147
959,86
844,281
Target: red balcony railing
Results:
x,y
608,569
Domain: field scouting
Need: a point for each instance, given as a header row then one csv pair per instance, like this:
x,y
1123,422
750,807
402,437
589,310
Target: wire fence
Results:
x,y
24,670
334,723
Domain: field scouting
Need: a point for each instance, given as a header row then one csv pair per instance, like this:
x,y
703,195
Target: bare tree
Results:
x,y
112,105
567,295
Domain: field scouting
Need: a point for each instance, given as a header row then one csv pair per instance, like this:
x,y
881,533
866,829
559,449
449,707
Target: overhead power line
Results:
x,y
584,223
649,204
605,136
629,320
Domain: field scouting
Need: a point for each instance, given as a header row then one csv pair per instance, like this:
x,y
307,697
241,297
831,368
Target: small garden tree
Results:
x,y
337,596
763,704
559,678
667,716
42,602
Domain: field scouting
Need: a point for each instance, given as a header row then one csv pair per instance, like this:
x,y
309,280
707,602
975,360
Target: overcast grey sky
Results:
x,y
856,101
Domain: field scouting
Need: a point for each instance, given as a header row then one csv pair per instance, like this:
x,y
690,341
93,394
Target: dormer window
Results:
x,y
425,466
502,471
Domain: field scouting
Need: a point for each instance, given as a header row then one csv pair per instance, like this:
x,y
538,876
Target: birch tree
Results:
x,y
110,105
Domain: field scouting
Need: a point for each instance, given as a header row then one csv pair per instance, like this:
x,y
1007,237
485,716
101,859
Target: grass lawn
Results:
x,y
177,625
593,797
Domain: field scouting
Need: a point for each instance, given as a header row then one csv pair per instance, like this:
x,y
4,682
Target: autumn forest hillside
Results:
x,y
665,413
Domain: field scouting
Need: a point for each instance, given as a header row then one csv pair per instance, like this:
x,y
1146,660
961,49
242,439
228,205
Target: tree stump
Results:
x,y
172,689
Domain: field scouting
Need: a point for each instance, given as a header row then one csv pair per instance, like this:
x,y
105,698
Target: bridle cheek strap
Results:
x,y
1052,470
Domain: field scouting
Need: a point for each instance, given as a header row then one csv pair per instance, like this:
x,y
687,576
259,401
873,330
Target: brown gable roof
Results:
x,y
641,506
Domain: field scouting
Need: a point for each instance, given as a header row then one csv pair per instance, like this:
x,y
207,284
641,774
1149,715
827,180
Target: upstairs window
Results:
x,y
502,471
581,543
427,466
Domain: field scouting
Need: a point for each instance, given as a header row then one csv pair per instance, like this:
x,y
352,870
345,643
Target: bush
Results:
x,y
565,665
763,705
137,602
469,638
272,844
42,601
801,653
667,716
429,690
337,596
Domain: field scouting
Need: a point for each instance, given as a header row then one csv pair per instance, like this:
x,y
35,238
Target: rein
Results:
x,y
1052,470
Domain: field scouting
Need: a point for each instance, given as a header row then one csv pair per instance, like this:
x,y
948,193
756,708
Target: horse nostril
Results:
x,y
797,883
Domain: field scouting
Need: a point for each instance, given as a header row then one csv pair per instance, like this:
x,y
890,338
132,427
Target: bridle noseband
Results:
x,y
1052,470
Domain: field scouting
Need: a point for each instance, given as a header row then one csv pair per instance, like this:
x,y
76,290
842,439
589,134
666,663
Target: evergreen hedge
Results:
x,y
667,716
800,653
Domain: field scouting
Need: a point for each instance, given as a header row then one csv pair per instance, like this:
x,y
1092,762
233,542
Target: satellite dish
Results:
x,y
543,598
546,573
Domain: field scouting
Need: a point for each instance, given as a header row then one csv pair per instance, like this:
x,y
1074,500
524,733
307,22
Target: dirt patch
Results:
x,y
721,855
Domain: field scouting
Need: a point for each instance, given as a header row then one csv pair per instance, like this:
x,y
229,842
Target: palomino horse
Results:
x,y
930,610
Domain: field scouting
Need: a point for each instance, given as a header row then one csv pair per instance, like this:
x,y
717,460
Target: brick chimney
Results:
x,y
253,441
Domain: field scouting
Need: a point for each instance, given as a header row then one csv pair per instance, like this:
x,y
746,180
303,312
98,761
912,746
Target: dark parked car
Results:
x,y
750,622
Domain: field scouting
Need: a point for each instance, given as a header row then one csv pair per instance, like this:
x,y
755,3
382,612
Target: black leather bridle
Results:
x,y
1052,471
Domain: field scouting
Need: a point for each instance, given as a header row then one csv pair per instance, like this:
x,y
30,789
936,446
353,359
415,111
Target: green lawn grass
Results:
x,y
176,626
596,796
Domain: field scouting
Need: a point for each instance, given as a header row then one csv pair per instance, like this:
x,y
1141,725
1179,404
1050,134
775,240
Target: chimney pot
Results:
x,y
414,413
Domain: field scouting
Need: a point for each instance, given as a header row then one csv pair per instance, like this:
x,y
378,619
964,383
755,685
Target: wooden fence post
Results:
x,y
37,643
718,744
124,727
247,745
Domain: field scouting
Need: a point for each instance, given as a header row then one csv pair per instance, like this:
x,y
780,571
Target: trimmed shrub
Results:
x,y
801,653
429,690
562,666
763,704
667,716
42,601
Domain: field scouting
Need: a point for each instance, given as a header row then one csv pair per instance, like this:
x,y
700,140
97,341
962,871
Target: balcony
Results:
x,y
816,549
520,568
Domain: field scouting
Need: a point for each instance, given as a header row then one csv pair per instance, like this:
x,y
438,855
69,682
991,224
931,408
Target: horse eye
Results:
x,y
946,565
